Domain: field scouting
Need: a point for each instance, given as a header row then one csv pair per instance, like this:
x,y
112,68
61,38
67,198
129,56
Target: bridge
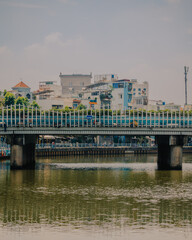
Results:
x,y
21,125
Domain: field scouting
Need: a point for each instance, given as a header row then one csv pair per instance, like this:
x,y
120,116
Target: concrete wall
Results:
x,y
73,83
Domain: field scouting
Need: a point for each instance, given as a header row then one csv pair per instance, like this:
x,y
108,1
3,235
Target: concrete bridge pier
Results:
x,y
22,151
170,151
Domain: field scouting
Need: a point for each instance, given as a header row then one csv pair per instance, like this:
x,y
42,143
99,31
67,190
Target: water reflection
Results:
x,y
59,195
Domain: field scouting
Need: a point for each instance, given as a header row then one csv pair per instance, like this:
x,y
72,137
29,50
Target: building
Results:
x,y
105,78
22,90
74,83
119,94
48,90
122,94
55,103
140,94
158,105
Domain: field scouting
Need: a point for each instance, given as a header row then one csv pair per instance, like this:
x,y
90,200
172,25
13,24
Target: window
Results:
x,y
28,96
134,93
139,89
120,96
134,89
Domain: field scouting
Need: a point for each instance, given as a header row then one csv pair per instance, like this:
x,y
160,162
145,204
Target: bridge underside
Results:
x,y
23,151
170,151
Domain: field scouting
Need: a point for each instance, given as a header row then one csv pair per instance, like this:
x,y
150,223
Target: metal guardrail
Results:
x,y
21,116
92,145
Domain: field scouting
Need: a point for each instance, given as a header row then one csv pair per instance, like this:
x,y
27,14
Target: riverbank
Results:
x,y
73,151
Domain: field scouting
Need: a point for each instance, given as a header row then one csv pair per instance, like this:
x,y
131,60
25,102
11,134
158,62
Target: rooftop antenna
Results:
x,y
186,69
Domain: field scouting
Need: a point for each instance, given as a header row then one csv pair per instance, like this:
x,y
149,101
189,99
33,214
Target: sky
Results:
x,y
147,40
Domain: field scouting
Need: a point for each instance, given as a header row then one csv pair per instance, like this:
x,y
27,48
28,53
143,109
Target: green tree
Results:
x,y
4,93
81,106
66,109
35,104
22,101
9,99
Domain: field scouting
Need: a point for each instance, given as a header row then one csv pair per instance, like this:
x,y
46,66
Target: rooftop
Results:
x,y
21,85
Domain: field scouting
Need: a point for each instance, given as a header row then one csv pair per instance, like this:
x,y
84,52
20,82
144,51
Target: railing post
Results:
x,y
7,116
44,115
70,119
40,118
19,114
125,117
163,118
82,117
150,118
57,118
36,116
104,116
159,119
179,118
138,117
61,118
3,115
108,115
11,116
66,119
28,116
15,115
129,118
95,118
53,117
23,115
188,119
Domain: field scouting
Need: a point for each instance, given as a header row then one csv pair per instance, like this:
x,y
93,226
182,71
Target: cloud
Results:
x,y
21,5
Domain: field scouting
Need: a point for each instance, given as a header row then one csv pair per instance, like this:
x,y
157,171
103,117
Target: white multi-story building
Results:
x,y
140,94
115,95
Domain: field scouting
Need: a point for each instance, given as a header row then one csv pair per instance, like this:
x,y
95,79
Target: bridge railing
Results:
x,y
90,145
21,116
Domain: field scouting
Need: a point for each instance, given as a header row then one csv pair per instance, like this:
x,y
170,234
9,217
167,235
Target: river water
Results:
x,y
96,197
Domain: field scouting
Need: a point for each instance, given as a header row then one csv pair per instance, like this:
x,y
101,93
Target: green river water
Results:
x,y
96,197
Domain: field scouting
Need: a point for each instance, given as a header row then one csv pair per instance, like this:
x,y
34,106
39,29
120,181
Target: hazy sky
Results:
x,y
150,40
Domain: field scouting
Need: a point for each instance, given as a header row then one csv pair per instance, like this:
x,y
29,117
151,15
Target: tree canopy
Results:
x,y
81,106
22,101
9,99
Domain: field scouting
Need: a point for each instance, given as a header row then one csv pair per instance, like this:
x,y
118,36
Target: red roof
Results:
x,y
21,85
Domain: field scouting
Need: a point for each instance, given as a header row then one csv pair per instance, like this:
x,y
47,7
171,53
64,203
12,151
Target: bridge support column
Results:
x,y
170,151
22,151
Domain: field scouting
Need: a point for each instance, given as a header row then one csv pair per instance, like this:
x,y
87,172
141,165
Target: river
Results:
x,y
96,197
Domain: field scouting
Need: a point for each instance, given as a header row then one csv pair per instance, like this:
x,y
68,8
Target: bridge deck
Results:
x,y
98,131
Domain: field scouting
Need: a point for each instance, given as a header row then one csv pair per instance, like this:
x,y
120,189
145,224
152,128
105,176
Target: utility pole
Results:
x,y
186,69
